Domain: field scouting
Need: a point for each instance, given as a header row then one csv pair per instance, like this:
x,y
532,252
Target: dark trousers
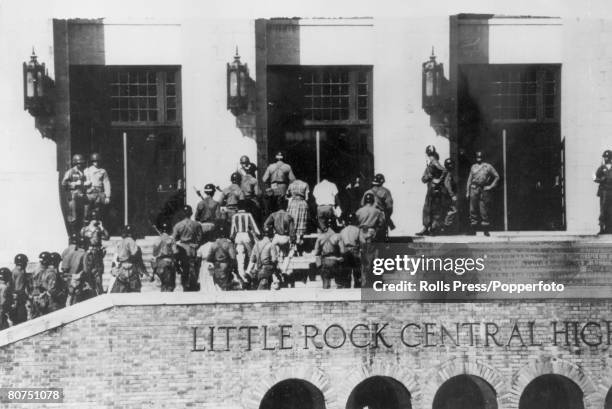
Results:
x,y
433,209
480,203
189,267
166,271
329,269
222,275
605,210
78,208
352,265
324,213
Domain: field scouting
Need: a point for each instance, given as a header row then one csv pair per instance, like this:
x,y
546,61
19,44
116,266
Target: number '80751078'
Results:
x,y
31,395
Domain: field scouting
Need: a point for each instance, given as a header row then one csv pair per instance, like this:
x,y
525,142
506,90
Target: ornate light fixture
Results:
x,y
434,98
36,87
237,86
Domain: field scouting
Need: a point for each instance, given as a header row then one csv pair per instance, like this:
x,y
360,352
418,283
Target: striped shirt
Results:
x,y
243,222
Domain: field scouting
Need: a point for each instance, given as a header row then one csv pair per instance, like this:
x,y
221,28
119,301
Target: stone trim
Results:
x,y
605,383
255,393
460,366
379,368
544,365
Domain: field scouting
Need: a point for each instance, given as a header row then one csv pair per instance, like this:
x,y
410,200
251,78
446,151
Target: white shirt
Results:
x,y
325,193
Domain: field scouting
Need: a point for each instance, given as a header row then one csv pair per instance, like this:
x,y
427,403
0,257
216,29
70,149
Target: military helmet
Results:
x,y
430,150
78,159
95,157
44,258
83,243
5,274
127,231
479,154
607,154
187,211
236,178
268,230
369,198
329,222
379,179
209,188
56,259
349,218
244,160
94,215
165,227
74,238
279,155
449,163
21,259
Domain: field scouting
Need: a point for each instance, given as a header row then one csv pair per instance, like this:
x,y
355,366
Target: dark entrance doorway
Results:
x,y
293,394
322,117
551,392
512,114
465,391
379,392
608,403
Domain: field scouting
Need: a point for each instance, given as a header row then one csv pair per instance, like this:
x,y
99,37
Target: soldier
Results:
x,y
99,191
22,288
252,196
383,201
326,197
483,177
55,284
231,196
39,301
67,255
188,235
222,256
603,177
277,176
352,259
164,250
129,266
371,222
246,167
433,208
297,206
76,184
264,259
6,297
329,247
80,288
208,212
283,226
450,187
94,233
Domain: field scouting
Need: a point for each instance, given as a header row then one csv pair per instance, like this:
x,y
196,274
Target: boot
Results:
x,y
424,232
485,230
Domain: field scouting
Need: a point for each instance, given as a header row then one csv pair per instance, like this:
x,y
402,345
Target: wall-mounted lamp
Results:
x,y
434,86
36,87
237,86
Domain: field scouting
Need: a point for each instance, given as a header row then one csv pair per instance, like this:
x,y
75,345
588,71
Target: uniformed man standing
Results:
x,y
278,176
6,297
252,196
222,256
264,259
164,250
208,213
450,191
283,225
246,167
383,201
330,248
55,285
371,222
22,288
603,177
99,192
76,184
231,196
483,177
39,300
352,258
188,235
95,233
433,208
129,266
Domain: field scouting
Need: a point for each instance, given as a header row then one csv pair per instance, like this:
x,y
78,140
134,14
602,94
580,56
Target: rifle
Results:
x,y
198,192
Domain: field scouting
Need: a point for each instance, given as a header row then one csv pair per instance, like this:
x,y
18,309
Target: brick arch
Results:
x,y
546,365
256,390
605,384
380,368
460,366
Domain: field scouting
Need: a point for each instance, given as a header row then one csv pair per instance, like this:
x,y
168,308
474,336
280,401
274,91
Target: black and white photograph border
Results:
x,y
306,205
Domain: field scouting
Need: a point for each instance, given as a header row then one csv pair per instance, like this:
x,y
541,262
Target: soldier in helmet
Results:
x,y
208,212
66,256
483,177
39,301
246,167
222,259
371,222
450,191
277,177
54,284
433,208
264,259
383,200
231,196
252,196
99,191
188,235
80,288
95,233
350,234
329,247
6,297
76,184
129,266
22,288
603,177
164,251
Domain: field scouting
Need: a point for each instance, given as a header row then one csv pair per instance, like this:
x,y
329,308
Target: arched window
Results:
x,y
551,392
293,394
379,392
465,391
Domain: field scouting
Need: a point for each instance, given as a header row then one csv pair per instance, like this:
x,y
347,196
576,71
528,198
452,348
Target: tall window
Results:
x,y
145,96
336,95
524,93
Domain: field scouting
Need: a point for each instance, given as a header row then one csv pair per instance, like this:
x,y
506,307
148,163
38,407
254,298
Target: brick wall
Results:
x,y
127,355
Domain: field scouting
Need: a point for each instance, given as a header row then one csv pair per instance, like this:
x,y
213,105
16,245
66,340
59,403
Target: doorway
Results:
x,y
465,391
379,392
551,392
293,394
512,114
